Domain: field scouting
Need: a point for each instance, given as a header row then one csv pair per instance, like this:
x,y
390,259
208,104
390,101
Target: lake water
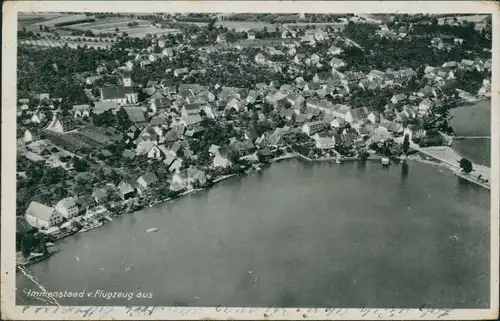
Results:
x,y
474,120
294,235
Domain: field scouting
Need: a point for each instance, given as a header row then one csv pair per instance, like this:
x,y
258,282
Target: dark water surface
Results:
x,y
474,120
294,235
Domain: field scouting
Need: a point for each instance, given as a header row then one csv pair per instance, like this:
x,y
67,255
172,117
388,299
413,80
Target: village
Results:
x,y
170,117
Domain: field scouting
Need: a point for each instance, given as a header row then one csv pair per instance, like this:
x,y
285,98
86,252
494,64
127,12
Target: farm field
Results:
x,y
89,138
63,19
110,24
58,43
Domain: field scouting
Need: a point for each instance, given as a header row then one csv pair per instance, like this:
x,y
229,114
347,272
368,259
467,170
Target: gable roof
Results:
x,y
116,92
40,211
135,114
149,178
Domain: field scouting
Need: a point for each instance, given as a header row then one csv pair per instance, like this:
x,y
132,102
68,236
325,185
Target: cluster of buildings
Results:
x,y
171,116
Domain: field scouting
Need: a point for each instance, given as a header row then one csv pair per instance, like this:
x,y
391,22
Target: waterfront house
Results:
x,y
221,158
196,177
324,142
42,216
312,128
67,207
125,190
100,195
84,203
146,181
119,94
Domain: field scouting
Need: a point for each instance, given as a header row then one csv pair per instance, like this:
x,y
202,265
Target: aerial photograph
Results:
x,y
253,160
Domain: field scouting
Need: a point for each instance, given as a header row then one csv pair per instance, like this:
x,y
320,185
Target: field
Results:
x,y
60,43
109,25
63,19
90,138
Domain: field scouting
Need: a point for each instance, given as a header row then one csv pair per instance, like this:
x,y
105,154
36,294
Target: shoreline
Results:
x,y
298,156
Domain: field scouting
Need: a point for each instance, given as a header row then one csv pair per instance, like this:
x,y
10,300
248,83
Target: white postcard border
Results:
x,y
8,174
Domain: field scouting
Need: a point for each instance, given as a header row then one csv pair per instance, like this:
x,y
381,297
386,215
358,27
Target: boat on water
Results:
x,y
153,229
91,226
49,244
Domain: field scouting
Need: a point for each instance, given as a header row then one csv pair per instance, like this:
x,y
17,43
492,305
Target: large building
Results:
x,y
120,95
42,216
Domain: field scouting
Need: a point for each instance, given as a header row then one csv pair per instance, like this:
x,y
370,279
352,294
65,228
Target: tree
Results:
x,y
117,29
81,165
406,144
363,155
466,165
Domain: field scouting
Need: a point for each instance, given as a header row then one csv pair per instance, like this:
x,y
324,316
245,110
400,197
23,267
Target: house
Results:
x,y
67,207
313,86
425,106
128,154
398,98
103,106
429,69
44,96
37,117
333,51
41,216
91,80
221,158
147,180
135,114
374,75
121,95
221,39
315,59
100,195
356,114
181,71
450,64
143,146
196,176
312,128
81,110
373,117
336,63
324,142
176,165
154,152
251,34
260,59
126,190
322,77
168,52
28,136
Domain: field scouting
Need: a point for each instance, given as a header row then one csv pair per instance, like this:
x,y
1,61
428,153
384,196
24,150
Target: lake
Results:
x,y
473,120
296,234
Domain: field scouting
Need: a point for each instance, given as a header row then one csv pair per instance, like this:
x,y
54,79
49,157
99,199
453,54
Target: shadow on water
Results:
x,y
405,170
